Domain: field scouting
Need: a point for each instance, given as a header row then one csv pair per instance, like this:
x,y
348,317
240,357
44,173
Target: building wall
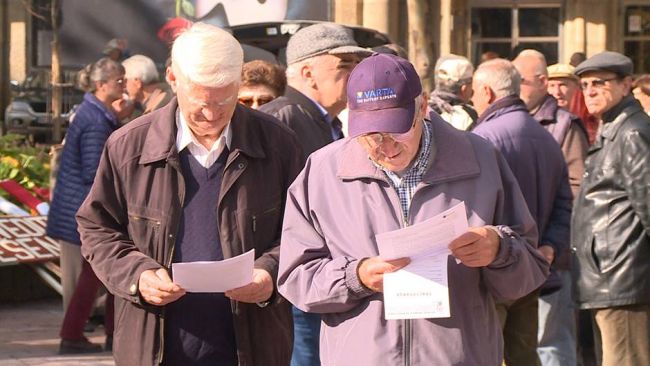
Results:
x,y
18,25
589,26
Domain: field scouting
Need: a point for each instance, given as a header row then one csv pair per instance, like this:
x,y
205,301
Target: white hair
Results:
x,y
208,56
141,67
500,75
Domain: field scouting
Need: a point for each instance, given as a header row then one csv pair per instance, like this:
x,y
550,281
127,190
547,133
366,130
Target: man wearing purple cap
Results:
x,y
398,169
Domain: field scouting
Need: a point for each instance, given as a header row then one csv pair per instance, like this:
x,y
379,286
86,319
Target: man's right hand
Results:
x,y
371,271
157,288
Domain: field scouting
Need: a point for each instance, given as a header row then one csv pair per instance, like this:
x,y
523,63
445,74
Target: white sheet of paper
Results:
x,y
217,276
420,290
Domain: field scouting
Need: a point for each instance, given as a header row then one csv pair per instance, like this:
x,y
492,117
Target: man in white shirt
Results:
x,y
202,179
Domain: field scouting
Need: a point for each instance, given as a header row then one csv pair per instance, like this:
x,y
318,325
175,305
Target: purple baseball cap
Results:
x,y
381,95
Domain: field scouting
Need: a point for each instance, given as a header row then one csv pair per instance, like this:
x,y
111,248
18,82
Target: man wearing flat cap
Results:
x,y
611,218
398,168
319,58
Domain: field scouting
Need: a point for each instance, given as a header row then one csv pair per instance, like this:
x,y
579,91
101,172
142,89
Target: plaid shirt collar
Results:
x,y
405,185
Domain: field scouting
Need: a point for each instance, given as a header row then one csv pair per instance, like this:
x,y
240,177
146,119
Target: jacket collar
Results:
x,y
451,149
546,112
504,105
612,119
301,99
160,142
108,114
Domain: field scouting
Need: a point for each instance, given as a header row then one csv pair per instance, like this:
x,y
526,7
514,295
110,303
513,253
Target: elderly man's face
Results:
x,y
207,110
481,96
134,89
563,90
330,75
533,84
395,152
603,90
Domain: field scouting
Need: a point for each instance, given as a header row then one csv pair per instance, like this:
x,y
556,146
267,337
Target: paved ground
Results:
x,y
29,336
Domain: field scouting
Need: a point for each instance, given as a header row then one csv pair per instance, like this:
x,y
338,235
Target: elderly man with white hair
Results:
x,y
538,165
143,85
202,179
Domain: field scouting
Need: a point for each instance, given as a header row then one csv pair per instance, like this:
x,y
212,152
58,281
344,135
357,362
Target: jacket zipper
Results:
x,y
407,322
161,337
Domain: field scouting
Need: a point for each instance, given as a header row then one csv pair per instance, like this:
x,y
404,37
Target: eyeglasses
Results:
x,y
596,83
119,81
377,139
249,101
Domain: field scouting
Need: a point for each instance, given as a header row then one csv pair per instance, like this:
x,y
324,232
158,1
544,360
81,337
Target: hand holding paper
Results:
x,y
157,288
371,271
478,247
420,289
259,290
217,276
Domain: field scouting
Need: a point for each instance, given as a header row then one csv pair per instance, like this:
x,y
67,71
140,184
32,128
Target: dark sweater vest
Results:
x,y
199,326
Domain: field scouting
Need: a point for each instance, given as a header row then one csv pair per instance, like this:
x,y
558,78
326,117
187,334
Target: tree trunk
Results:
x,y
57,91
420,40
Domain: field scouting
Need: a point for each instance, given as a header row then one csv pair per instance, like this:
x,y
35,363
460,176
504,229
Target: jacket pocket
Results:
x,y
144,228
600,253
259,228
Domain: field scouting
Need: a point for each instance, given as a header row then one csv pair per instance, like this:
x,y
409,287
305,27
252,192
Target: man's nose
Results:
x,y
209,114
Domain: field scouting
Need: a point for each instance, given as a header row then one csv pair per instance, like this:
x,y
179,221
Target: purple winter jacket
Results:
x,y
537,163
340,201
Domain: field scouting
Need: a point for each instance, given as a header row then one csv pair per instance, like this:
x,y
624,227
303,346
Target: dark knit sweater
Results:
x,y
199,327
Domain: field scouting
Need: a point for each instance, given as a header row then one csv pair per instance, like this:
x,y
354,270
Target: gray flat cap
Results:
x,y
606,61
320,39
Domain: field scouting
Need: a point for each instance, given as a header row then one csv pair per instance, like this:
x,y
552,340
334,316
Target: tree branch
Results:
x,y
32,12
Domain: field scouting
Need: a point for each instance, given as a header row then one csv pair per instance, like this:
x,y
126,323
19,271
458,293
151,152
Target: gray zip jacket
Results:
x,y
340,201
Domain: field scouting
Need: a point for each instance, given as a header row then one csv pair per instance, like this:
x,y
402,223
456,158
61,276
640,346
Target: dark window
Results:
x,y
637,20
491,22
539,22
639,52
502,49
549,49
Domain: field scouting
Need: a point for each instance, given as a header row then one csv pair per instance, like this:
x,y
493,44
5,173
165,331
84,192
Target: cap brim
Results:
x,y
350,49
564,76
390,120
580,72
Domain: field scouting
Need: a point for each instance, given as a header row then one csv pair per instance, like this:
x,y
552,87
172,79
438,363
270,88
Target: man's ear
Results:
x,y
544,80
307,74
171,78
627,81
465,92
490,93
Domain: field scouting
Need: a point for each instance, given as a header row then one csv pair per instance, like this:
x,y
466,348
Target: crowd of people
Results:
x,y
308,164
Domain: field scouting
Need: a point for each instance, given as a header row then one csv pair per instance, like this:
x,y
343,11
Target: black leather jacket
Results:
x,y
611,217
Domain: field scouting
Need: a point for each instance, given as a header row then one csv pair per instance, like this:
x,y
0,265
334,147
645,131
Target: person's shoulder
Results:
x,y
282,107
129,140
265,121
637,125
276,104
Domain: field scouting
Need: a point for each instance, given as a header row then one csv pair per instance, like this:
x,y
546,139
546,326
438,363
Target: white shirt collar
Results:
x,y
185,138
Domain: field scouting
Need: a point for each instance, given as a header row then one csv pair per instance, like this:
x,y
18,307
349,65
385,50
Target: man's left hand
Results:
x,y
478,247
259,290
